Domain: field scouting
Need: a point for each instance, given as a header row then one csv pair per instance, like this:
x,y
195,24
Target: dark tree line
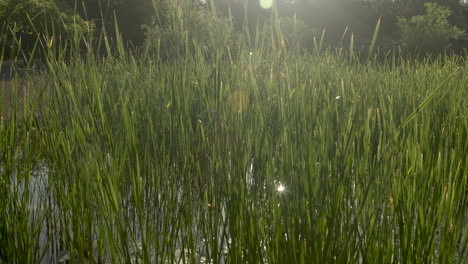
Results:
x,y
357,16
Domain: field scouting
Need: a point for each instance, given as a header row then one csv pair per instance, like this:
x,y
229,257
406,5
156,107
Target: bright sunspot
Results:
x,y
281,188
266,3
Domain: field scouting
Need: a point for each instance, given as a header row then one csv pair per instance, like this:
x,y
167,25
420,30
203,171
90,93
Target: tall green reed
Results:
x,y
156,161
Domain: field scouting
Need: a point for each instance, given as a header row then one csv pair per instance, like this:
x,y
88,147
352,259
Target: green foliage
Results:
x,y
29,19
430,33
150,158
130,159
182,26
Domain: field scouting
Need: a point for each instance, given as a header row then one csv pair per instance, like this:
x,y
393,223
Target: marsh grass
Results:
x,y
152,160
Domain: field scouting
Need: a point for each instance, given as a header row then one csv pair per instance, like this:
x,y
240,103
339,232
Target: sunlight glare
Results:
x,y
281,188
265,4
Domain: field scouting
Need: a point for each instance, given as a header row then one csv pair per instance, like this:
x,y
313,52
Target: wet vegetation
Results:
x,y
231,150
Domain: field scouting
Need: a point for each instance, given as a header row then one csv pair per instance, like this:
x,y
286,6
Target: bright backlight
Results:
x,y
266,3
281,188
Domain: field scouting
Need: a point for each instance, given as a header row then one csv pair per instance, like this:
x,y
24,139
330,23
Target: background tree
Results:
x,y
392,9
179,26
430,33
129,14
25,21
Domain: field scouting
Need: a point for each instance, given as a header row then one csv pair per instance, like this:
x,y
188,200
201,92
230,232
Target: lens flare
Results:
x,y
281,188
266,3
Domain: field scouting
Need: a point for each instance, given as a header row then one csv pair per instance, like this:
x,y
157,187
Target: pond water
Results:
x,y
51,243
55,252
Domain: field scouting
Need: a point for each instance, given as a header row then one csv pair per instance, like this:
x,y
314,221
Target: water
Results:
x,y
44,212
50,240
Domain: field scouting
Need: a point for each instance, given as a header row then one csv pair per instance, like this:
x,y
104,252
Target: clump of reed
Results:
x,y
157,161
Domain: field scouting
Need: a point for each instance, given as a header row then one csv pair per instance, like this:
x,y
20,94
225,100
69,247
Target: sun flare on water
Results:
x,y
281,188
